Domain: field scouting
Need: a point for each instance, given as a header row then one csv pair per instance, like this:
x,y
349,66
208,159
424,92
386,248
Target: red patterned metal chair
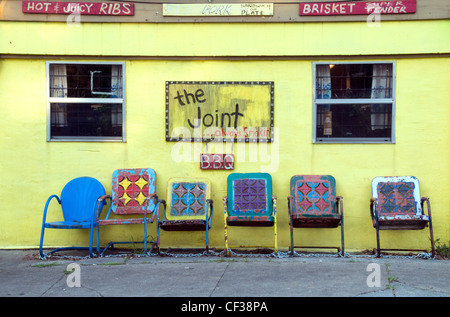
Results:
x,y
133,201
396,205
189,207
313,204
249,202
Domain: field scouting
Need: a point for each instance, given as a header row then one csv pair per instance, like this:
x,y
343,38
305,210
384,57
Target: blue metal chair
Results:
x,y
81,201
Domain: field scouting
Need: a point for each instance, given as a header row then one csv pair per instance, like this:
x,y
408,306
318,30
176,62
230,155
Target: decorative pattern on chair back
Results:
x,y
186,198
249,193
79,199
397,196
314,195
130,188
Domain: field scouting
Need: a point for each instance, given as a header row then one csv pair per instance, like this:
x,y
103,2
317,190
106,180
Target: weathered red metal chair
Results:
x,y
190,207
249,202
133,194
313,204
396,205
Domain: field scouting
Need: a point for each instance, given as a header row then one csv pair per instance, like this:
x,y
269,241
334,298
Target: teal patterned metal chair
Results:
x,y
189,207
396,205
313,204
249,202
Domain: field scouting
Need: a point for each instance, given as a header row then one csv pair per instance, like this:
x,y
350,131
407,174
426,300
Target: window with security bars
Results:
x,y
86,101
353,102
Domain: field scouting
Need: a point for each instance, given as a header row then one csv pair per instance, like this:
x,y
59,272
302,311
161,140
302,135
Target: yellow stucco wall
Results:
x,y
32,169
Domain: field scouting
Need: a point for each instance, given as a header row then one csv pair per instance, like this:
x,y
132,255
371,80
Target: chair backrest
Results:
x,y
249,193
130,188
314,195
79,199
397,196
187,198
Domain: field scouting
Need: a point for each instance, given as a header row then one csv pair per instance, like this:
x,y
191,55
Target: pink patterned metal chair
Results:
x,y
133,201
396,205
313,204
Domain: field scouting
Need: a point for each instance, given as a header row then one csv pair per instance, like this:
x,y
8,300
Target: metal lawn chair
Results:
x,y
313,204
396,205
133,201
81,202
189,206
249,203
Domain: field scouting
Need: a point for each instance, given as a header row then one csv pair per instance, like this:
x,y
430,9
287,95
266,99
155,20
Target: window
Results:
x,y
353,102
85,101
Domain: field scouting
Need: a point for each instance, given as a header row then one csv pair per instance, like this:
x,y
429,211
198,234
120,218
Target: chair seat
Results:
x,y
315,221
251,221
69,225
402,222
183,225
106,222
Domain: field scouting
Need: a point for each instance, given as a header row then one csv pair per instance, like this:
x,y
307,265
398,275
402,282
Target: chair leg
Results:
x,y
342,236
275,236
91,240
41,253
207,238
145,235
378,238
226,238
292,238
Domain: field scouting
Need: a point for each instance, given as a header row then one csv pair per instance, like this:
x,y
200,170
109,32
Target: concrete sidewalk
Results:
x,y
23,274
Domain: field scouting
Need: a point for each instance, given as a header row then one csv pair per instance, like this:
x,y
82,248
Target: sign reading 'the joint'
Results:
x,y
218,9
219,111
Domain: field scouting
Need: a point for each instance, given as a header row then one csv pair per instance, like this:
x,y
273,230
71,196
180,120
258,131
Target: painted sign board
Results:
x,y
219,111
218,9
217,161
352,7
82,8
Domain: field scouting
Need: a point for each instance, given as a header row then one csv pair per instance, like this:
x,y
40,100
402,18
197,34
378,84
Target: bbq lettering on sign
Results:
x,y
219,111
350,8
82,8
216,161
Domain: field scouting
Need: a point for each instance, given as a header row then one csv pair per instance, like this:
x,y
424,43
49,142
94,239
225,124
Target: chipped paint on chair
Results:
x,y
396,205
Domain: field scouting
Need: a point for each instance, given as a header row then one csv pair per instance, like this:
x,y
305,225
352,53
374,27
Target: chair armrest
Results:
x,y
225,202
274,204
373,206
211,205
340,205
290,200
157,203
47,204
426,199
101,200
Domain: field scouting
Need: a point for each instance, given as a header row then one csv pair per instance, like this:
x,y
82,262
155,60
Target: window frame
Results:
x,y
315,102
51,100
